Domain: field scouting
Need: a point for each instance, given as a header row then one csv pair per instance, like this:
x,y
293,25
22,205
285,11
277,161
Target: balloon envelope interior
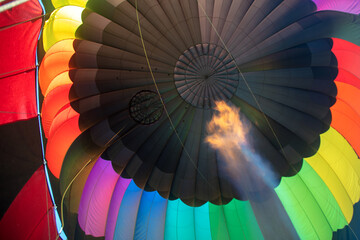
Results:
x,y
140,83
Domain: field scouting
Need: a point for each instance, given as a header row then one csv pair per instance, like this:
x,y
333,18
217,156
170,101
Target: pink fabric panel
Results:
x,y
95,200
116,200
350,6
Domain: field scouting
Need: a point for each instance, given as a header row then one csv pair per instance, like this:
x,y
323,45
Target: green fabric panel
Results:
x,y
310,205
218,223
234,221
185,222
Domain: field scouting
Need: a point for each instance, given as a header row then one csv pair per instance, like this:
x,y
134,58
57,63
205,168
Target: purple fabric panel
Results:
x,y
95,200
350,6
116,200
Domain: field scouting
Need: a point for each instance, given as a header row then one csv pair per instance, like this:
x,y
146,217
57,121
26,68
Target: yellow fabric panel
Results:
x,y
61,3
61,25
339,167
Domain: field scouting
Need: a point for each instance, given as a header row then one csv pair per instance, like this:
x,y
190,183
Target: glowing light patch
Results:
x,y
228,136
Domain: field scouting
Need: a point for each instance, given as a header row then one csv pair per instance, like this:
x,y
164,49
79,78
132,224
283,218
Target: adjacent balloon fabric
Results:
x,y
28,209
18,61
32,210
288,67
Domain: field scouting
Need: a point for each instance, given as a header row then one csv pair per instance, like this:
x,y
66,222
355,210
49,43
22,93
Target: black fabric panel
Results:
x,y
21,156
283,135
174,147
151,149
299,56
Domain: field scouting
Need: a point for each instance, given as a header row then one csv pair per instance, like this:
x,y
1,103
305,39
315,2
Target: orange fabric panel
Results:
x,y
59,80
350,95
53,103
56,61
64,130
346,114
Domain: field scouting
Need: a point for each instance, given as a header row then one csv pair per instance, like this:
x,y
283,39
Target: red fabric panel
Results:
x,y
17,61
346,111
31,214
348,57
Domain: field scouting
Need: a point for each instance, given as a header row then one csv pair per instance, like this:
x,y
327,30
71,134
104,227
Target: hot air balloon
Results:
x,y
132,90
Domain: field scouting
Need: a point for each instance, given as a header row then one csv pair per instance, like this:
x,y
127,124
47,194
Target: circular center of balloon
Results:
x,y
145,107
205,73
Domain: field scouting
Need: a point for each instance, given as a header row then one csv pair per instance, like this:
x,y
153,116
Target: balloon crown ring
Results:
x,y
205,73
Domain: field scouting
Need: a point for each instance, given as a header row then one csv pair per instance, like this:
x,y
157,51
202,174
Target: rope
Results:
x,y
162,101
245,81
74,178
